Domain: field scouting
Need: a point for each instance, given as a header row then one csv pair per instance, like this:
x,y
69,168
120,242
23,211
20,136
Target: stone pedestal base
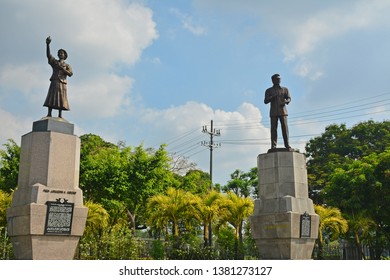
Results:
x,y
48,178
278,225
42,247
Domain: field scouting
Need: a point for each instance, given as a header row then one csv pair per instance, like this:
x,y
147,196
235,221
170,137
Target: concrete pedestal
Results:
x,y
284,224
47,217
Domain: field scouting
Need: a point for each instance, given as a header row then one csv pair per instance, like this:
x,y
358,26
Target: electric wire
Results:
x,y
188,145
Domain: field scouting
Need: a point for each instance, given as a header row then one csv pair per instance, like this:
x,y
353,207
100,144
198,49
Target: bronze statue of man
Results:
x,y
279,97
57,94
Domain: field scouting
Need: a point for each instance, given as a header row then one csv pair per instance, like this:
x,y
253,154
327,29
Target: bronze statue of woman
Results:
x,y
57,95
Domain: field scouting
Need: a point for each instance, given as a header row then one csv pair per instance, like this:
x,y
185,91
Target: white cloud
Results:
x,y
25,78
105,96
243,136
13,127
100,37
178,119
112,31
187,22
154,60
306,30
305,68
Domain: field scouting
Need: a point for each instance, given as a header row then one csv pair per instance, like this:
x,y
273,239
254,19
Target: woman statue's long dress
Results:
x,y
57,95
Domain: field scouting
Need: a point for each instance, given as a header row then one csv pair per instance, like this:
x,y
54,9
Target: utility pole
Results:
x,y
211,145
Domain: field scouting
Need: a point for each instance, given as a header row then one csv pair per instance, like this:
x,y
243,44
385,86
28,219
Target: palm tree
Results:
x,y
97,221
361,226
209,208
97,218
5,202
175,206
332,221
236,210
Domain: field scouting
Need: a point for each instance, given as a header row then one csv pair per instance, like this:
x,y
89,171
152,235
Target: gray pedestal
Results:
x,y
284,224
47,217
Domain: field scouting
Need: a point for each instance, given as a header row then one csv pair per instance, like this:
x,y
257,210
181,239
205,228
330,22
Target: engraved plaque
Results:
x,y
59,218
305,225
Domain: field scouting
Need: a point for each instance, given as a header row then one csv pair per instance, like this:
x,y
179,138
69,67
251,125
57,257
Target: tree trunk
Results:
x,y
131,218
206,234
360,248
320,255
236,243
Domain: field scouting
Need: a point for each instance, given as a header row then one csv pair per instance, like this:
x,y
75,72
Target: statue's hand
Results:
x,y
48,40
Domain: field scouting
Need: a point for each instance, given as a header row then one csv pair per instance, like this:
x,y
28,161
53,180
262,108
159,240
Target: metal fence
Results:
x,y
343,251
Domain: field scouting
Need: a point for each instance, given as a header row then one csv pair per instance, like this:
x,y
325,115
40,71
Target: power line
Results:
x,y
315,110
186,144
192,140
319,111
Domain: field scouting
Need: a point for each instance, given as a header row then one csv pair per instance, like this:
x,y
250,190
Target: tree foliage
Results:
x,y
195,181
9,166
5,202
349,168
175,207
243,183
117,174
209,208
331,224
361,189
235,210
129,188
339,146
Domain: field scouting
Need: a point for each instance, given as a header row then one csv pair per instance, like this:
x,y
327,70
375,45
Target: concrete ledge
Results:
x,y
53,124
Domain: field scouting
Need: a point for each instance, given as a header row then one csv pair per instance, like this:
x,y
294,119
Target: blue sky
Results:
x,y
156,72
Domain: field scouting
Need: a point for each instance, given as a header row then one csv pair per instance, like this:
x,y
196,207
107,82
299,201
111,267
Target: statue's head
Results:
x,y
62,52
275,79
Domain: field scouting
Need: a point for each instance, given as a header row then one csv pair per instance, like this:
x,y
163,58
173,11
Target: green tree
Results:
x,y
149,174
106,237
97,218
209,208
5,244
103,173
117,174
9,166
196,182
362,188
235,210
339,146
331,224
361,228
90,245
5,202
175,207
243,183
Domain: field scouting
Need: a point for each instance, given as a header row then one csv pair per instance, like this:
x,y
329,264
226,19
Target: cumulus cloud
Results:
x,y
111,31
242,137
24,78
101,37
13,127
178,118
106,95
